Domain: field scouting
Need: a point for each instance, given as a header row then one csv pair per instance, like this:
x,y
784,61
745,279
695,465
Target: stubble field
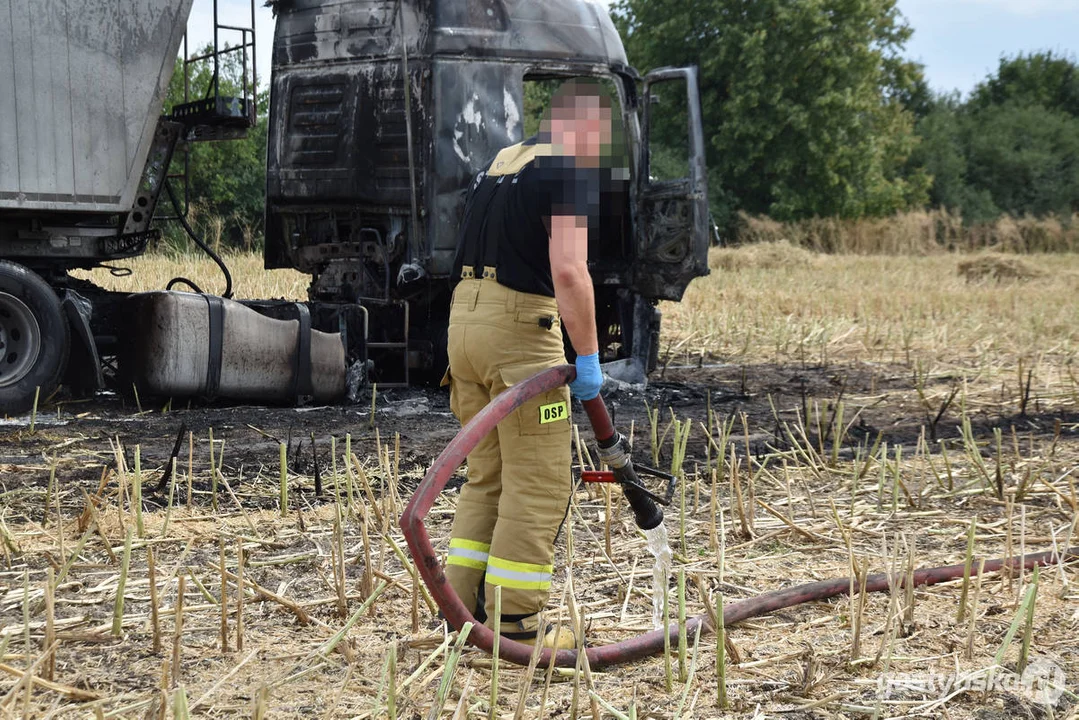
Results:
x,y
839,414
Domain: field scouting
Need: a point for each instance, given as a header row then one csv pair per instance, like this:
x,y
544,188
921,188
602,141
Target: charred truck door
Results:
x,y
669,236
672,212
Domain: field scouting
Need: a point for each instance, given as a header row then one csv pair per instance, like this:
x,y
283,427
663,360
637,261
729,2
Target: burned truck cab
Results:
x,y
382,112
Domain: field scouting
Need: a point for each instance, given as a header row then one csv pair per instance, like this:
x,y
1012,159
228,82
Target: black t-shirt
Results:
x,y
507,215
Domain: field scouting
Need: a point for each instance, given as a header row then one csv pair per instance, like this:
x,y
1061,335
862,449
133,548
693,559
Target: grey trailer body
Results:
x,y
84,156
373,217
82,86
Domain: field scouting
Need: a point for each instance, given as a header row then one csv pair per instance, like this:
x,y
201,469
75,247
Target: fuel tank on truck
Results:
x,y
200,346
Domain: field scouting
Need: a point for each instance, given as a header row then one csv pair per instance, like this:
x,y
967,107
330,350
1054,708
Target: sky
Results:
x,y
959,41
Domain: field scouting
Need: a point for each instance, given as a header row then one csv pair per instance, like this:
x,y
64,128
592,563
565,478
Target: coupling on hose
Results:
x,y
615,451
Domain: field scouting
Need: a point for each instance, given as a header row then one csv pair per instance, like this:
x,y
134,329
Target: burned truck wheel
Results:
x,y
34,339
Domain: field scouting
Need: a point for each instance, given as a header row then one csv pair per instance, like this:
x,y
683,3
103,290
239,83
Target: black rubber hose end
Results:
x,y
646,513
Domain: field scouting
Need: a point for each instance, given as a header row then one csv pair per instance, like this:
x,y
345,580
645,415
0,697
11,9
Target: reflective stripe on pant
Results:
x,y
468,553
518,575
519,479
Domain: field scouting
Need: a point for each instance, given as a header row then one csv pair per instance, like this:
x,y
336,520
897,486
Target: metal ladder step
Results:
x,y
395,347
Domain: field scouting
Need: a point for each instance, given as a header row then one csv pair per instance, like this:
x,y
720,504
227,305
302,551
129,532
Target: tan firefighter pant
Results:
x,y
519,482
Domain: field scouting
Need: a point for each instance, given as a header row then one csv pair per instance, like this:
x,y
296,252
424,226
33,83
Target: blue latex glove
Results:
x,y
589,377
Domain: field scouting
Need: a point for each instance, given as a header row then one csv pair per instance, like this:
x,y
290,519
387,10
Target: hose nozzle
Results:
x,y
615,452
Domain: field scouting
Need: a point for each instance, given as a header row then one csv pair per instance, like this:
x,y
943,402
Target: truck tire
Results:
x,y
34,339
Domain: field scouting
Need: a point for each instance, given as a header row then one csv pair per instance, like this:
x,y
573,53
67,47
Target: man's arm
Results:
x,y
572,283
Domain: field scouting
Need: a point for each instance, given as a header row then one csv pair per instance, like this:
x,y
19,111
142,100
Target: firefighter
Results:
x,y
522,264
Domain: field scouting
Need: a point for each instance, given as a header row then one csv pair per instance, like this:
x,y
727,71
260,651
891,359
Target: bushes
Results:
x,y
916,233
235,232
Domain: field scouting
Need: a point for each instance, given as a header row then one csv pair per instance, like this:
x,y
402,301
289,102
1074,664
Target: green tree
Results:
x,y
226,178
1042,78
912,90
1026,157
803,100
943,153
1012,147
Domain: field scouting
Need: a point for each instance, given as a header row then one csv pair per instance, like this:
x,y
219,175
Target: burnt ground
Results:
x,y
878,401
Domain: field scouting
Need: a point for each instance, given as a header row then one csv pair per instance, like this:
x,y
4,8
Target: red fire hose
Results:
x,y
430,567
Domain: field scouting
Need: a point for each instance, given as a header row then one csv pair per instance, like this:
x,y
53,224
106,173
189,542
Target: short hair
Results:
x,y
572,91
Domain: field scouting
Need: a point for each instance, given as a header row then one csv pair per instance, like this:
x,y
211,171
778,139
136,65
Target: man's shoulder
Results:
x,y
515,158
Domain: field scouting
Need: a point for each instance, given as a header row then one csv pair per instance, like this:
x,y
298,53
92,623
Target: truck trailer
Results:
x,y
381,113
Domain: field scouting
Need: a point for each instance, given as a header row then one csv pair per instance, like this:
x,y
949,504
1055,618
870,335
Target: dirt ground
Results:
x,y
66,491
846,415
